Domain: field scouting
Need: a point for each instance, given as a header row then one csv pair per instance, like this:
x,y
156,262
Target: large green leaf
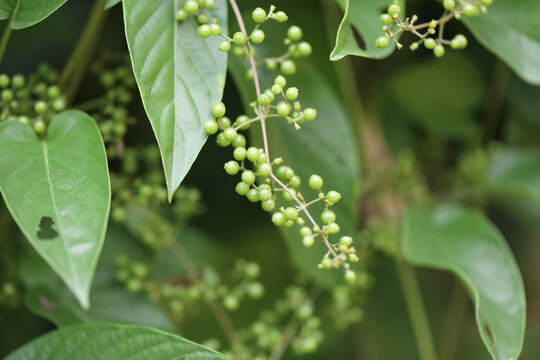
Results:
x,y
29,12
179,75
463,241
58,192
111,342
509,29
363,16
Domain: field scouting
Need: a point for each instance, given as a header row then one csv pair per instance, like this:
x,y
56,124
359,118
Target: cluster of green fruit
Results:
x,y
133,274
391,20
345,308
32,100
111,106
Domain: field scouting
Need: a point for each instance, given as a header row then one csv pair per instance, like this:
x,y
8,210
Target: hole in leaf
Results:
x,y
45,229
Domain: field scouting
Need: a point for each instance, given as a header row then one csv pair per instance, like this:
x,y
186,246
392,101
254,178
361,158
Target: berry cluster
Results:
x,y
33,100
133,274
392,20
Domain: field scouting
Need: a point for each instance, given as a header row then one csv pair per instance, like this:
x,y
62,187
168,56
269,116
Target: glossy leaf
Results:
x,y
457,239
509,29
58,192
111,342
110,3
29,12
179,76
363,16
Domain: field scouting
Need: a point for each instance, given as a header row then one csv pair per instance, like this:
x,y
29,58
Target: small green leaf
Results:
x,y
457,239
509,29
179,75
110,3
58,192
111,342
364,17
29,12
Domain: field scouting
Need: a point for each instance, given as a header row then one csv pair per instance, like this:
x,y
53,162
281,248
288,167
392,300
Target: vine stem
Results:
x,y
7,31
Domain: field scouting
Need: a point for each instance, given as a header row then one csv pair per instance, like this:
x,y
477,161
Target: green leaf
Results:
x,y
514,172
111,342
509,29
58,192
179,75
363,16
454,238
110,3
29,12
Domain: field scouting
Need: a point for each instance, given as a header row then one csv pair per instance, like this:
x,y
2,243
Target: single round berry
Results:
x,y
309,114
346,240
276,89
40,127
242,119
326,263
253,154
470,10
449,4
386,19
287,196
24,119
292,93
215,29
278,218
225,122
333,196
294,181
204,31
308,241
333,228
350,276
281,81
257,36
232,167
264,100
394,10
230,134
210,127
294,33
255,290
258,15
225,46
221,141
328,216
438,50
304,49
430,43
52,92
209,4
270,94
40,107
283,109
265,194
7,95
242,188
240,38
268,205
240,153
240,141
218,109
248,177
382,42
4,80
315,182
181,15
265,169
280,16
291,213
191,6
288,67
202,18
305,231
486,2
253,195
230,302
17,81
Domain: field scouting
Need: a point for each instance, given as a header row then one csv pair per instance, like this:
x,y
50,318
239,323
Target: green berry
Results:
x,y
350,276
326,263
253,154
241,120
240,38
215,29
305,231
17,81
221,141
232,167
458,42
394,10
218,109
40,107
225,46
281,81
40,127
204,31
438,50
265,194
240,141
333,228
230,134
386,19
288,67
294,33
268,205
304,48
255,290
202,18
449,4
283,109
333,196
280,16
309,114
4,80
346,241
430,43
278,218
308,241
328,216
181,15
240,153
292,93
253,195
7,95
486,2
291,214
382,42
191,6
209,4
24,119
258,15
294,181
257,36
225,122
265,169
248,177
287,196
52,92
242,188
315,182
470,10
230,302
210,127
264,100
